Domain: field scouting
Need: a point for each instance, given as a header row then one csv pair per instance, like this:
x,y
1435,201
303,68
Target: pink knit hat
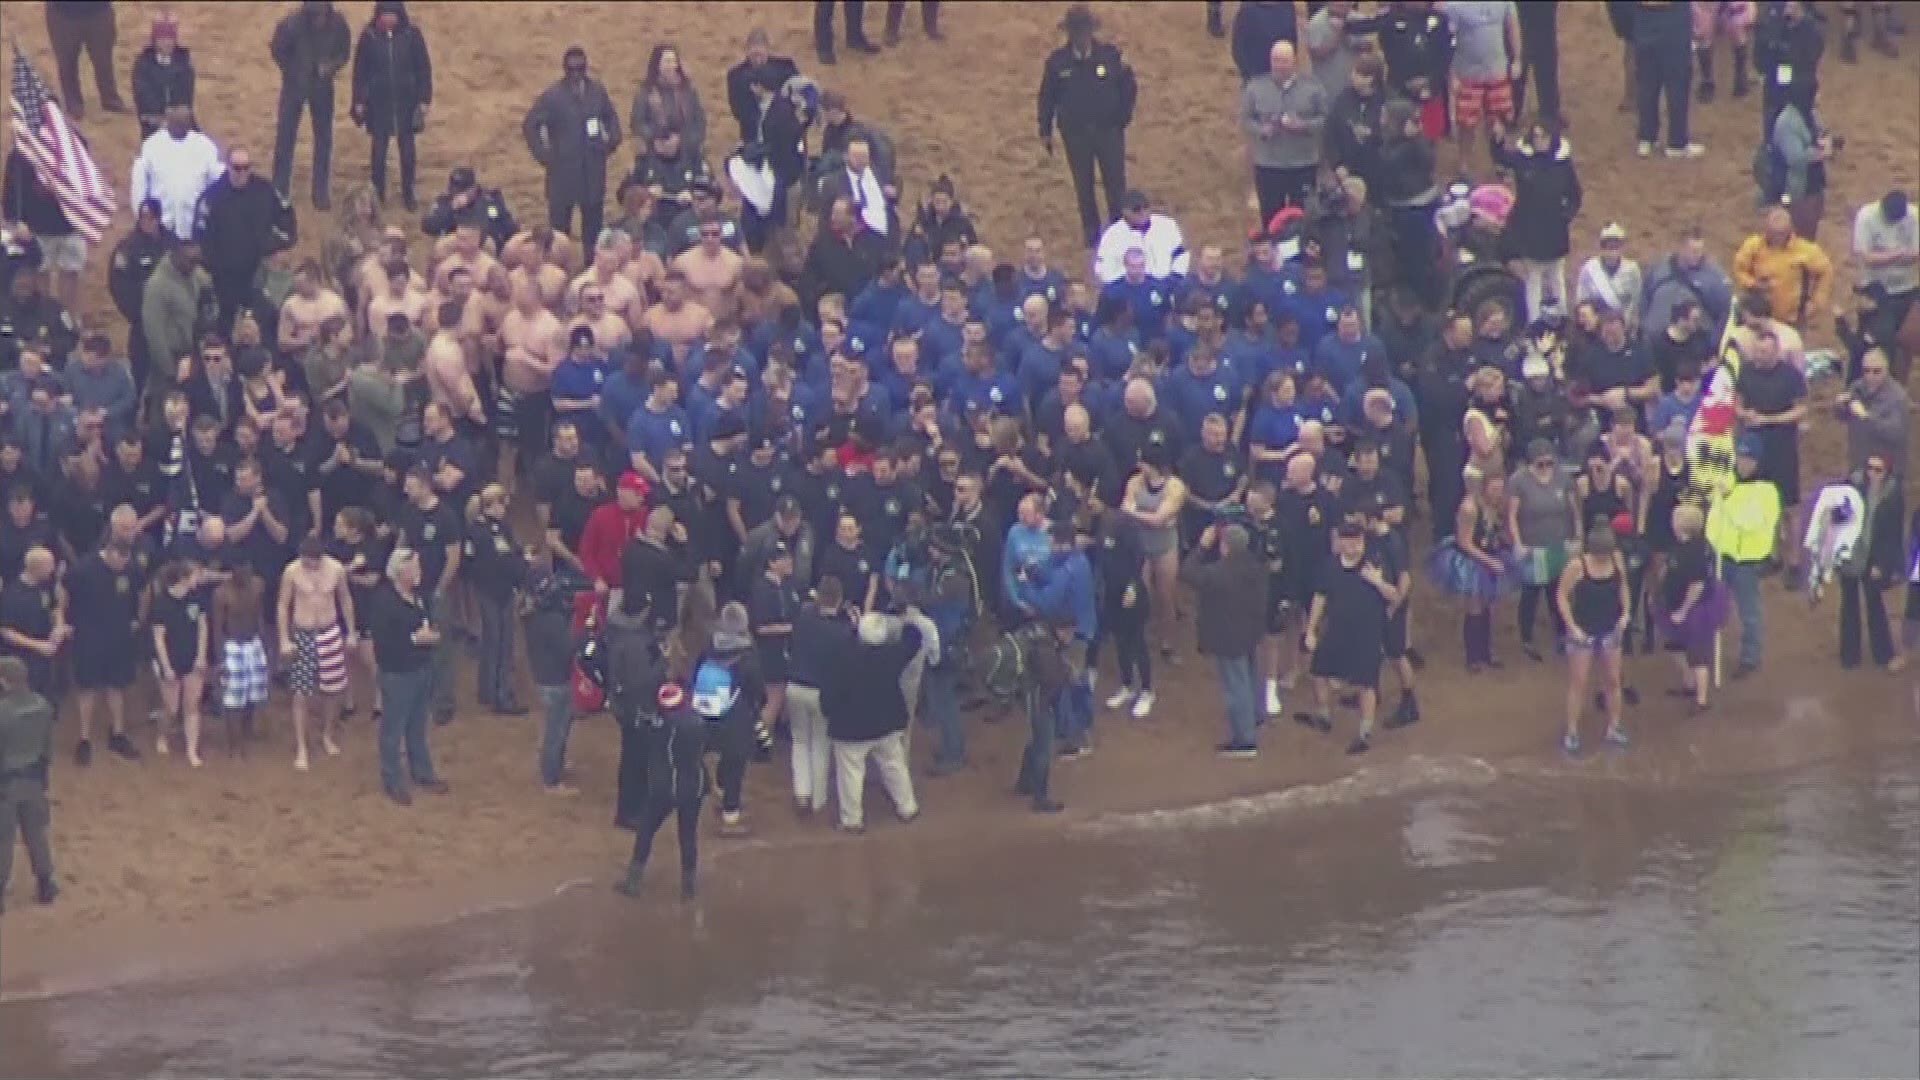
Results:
x,y
166,25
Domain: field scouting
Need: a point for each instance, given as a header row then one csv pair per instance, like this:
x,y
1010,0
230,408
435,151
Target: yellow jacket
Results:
x,y
1797,277
1741,523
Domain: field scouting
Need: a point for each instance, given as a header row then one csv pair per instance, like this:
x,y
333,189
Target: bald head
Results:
x,y
1300,469
1282,61
1076,423
38,564
1140,397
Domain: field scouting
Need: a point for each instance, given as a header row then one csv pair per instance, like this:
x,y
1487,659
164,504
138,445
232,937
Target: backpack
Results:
x,y
1769,172
714,689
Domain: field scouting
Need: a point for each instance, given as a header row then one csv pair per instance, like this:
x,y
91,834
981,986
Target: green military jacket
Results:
x,y
26,731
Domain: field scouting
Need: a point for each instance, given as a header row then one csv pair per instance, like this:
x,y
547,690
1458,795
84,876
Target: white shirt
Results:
x,y
1830,543
1161,242
1616,291
869,198
176,172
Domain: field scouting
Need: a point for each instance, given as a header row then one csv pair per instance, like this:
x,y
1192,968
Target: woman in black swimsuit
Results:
x,y
1595,606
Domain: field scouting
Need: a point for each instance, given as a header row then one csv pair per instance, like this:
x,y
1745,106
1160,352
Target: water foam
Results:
x,y
1416,773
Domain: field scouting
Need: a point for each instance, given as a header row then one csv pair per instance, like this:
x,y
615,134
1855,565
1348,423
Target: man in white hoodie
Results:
x,y
175,167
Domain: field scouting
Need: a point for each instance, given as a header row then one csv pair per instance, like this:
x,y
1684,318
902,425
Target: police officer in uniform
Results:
x,y
466,202
28,316
26,742
1089,91
571,131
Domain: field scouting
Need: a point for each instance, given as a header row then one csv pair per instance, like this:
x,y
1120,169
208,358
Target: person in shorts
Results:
x,y
1388,546
244,675
314,640
1486,61
104,591
1346,632
180,655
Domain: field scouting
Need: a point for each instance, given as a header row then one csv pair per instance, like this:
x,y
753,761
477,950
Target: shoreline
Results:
x,y
135,950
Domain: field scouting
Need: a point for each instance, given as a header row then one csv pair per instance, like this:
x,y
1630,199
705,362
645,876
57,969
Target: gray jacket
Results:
x,y
1885,430
759,547
1263,102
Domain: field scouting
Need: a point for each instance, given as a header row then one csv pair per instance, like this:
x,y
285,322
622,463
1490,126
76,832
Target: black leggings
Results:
x,y
1530,598
1128,632
733,738
689,825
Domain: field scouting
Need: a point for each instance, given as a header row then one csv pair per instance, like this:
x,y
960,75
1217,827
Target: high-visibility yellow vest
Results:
x,y
1741,523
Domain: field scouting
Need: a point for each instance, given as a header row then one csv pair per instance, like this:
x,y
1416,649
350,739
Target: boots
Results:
x,y
1630,86
1216,21
629,886
1704,58
1477,635
47,893
1740,71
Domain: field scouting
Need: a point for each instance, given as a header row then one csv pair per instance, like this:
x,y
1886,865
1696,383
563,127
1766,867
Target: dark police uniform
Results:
x,y
1090,97
26,741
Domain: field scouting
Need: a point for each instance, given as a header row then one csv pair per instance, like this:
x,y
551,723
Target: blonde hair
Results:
x,y
1688,519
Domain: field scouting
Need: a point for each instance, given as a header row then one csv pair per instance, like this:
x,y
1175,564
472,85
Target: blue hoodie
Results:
x,y
1027,547
1068,590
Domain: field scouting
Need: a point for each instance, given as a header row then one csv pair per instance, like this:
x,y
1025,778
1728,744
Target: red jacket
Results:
x,y
605,537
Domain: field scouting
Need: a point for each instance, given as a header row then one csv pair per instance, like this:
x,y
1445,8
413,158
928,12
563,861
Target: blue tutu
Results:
x,y
1456,572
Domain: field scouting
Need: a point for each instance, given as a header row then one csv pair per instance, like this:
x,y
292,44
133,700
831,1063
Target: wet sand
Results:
x,y
160,864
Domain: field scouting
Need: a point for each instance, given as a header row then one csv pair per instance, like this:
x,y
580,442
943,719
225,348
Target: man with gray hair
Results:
x,y
1230,583
404,637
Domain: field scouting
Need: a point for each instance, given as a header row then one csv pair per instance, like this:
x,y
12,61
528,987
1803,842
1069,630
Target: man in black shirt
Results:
x,y
106,592
1213,477
288,467
1772,397
79,505
568,514
772,603
257,522
882,500
432,530
405,640
131,480
755,484
448,456
23,529
347,462
1683,341
553,475
33,619
1307,513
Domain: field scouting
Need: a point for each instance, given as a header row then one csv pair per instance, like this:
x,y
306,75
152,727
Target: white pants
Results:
x,y
812,752
1534,276
889,754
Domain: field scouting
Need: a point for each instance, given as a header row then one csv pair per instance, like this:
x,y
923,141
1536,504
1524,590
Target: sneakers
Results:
x,y
1643,149
82,754
561,791
1074,753
1143,705
121,745
1043,805
1120,698
1360,745
1689,152
1616,737
1273,697
732,824
1405,714
1570,742
1237,750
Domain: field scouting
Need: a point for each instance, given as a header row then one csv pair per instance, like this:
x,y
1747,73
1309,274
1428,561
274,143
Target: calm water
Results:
x,y
1766,926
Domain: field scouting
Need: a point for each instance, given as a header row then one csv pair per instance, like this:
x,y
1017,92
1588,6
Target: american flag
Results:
x,y
58,153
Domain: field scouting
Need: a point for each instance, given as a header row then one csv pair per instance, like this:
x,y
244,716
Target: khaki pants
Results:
x,y
889,754
812,750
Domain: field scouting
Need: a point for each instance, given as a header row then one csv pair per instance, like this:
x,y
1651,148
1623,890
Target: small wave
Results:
x,y
1417,773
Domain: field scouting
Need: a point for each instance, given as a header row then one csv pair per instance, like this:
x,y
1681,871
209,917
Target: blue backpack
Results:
x,y
714,689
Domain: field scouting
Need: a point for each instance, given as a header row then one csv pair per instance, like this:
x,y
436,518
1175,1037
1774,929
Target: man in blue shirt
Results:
x,y
942,336
1029,545
657,426
1066,589
1038,367
1341,354
1036,278
1314,303
1149,298
1201,388
921,305
879,303
576,386
979,384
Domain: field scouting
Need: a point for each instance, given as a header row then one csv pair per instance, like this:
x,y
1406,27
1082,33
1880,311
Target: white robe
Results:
x,y
1830,543
176,172
1162,244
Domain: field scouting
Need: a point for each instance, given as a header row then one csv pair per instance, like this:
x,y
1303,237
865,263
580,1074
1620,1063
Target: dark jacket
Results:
x,y
240,226
548,624
635,665
1095,92
26,199
650,576
862,698
841,265
157,85
676,755
740,97
134,258
556,129
392,73
780,134
1546,199
1354,133
819,639
488,210
931,232
1416,45
1232,591
1257,25
309,51
1887,542
833,147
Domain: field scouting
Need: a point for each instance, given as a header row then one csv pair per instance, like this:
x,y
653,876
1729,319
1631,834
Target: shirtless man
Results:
x,y
308,306
677,320
711,268
464,251
596,313
315,621
449,381
644,269
235,637
622,296
400,295
548,259
535,343
370,276
760,297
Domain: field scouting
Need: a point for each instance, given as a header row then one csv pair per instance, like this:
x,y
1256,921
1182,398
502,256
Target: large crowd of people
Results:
x,y
781,460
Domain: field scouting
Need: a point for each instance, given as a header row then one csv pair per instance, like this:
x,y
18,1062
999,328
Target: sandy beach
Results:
x,y
163,867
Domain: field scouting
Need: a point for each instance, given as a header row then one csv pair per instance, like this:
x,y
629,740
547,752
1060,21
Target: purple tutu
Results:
x,y
1694,635
1456,572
